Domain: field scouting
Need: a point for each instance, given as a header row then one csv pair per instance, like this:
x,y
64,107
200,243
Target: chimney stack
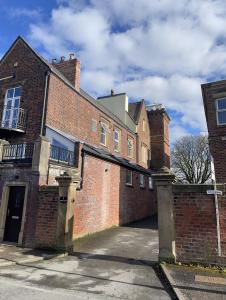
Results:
x,y
71,56
70,69
159,131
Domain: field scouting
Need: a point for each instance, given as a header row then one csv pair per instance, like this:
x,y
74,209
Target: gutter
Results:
x,y
42,131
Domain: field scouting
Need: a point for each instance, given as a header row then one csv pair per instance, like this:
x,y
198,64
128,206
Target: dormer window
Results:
x,y
221,111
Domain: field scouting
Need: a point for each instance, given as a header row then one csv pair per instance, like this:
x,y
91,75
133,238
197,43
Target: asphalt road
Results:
x,y
119,263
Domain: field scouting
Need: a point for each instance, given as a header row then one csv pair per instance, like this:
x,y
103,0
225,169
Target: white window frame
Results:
x,y
142,180
12,109
150,183
94,125
117,142
144,125
144,153
220,110
104,133
130,149
129,182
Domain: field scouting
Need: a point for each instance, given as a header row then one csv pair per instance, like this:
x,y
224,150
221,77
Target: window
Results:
x,y
103,133
221,111
94,125
117,139
144,125
150,183
11,108
130,147
144,153
129,177
142,180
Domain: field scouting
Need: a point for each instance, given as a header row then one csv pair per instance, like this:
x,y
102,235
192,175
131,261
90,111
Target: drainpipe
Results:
x,y
42,131
216,208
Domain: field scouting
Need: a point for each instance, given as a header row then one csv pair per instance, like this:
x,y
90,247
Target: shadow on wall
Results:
x,y
135,202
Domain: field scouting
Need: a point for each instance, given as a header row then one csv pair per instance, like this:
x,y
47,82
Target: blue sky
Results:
x,y
159,50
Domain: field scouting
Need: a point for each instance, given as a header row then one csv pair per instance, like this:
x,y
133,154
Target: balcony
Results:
x,y
18,153
13,121
62,156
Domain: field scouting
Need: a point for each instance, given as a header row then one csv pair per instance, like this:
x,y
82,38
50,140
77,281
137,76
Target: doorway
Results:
x,y
14,213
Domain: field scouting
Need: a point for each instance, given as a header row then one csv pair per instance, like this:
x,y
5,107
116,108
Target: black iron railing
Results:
x,y
14,118
62,155
18,152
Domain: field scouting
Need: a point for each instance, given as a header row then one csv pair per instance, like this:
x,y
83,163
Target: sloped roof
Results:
x,y
101,153
134,110
66,81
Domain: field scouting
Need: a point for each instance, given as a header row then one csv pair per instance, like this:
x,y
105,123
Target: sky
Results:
x,y
157,50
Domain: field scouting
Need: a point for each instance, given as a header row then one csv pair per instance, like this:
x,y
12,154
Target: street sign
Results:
x,y
214,192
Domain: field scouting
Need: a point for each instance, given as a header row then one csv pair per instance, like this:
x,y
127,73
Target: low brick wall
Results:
x,y
195,223
46,225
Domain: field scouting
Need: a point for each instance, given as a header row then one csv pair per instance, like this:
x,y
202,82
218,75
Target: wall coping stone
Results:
x,y
196,188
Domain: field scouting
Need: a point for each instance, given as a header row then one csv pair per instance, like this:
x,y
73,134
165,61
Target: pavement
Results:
x,y
11,254
190,282
119,263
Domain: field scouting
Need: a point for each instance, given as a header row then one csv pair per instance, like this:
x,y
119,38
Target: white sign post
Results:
x,y
216,192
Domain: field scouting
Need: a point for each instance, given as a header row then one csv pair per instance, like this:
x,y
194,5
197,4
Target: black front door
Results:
x,y
14,213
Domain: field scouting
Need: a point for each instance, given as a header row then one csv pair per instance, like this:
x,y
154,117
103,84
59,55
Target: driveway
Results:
x,y
119,263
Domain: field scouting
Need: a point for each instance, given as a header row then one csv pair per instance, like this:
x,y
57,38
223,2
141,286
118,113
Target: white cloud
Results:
x,y
23,12
157,50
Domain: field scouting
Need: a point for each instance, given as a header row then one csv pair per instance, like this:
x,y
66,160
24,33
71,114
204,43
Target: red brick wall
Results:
x,y
73,114
143,136
105,200
195,224
217,134
46,224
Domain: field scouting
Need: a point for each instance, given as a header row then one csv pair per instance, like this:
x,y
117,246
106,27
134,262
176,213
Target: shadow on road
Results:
x,y
147,223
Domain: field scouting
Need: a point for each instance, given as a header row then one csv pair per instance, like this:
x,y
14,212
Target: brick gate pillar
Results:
x,y
163,182
65,221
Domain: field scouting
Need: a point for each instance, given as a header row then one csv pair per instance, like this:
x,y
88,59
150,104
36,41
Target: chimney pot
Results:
x,y
71,55
62,58
54,61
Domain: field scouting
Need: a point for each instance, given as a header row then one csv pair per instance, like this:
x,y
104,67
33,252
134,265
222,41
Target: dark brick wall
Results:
x,y
22,174
217,134
160,147
195,224
30,74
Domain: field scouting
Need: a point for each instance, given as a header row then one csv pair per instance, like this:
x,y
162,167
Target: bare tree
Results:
x,y
191,160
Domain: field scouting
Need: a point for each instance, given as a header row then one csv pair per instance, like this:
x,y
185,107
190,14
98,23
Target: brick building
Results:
x,y
214,98
71,164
